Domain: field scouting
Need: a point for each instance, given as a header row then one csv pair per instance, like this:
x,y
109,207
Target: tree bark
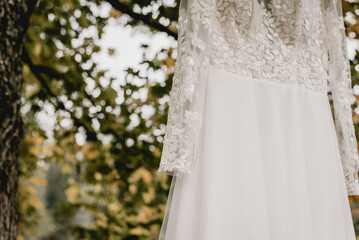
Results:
x,y
14,21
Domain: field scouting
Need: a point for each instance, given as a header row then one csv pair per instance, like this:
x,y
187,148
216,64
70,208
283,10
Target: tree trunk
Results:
x,y
14,20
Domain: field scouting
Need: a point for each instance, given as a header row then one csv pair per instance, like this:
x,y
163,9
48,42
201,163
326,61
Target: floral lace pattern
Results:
x,y
277,40
180,145
272,42
342,92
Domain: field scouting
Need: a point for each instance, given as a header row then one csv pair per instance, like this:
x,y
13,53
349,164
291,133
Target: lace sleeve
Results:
x,y
342,93
184,121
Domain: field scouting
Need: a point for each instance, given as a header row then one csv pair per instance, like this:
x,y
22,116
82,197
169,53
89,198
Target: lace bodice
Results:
x,y
270,42
297,42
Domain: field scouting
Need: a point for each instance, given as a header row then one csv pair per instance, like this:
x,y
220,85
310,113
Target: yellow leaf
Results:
x,y
117,125
117,229
35,202
98,176
102,220
90,155
173,28
111,51
111,175
101,223
66,168
38,181
58,150
114,207
149,195
31,190
35,150
356,118
132,188
139,231
72,193
48,150
34,139
97,187
115,14
145,214
141,173
169,62
20,237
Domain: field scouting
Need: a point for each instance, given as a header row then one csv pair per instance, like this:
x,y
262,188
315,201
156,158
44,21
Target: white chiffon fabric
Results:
x,y
269,167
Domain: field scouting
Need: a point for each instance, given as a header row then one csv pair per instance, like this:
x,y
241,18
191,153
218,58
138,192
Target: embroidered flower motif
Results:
x,y
258,39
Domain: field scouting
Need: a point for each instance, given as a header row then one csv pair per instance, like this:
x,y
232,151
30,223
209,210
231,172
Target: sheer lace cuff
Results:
x,y
353,188
342,93
184,121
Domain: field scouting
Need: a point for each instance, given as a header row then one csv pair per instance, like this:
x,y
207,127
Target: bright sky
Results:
x,y
126,43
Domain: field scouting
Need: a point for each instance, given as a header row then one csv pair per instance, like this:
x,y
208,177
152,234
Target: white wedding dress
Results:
x,y
250,139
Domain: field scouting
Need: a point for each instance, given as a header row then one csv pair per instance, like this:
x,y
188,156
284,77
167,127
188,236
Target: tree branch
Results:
x,y
140,17
36,70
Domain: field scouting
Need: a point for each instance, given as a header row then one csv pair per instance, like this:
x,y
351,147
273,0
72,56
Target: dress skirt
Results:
x,y
269,167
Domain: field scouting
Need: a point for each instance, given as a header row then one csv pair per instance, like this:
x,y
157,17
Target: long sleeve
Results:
x,y
342,93
184,121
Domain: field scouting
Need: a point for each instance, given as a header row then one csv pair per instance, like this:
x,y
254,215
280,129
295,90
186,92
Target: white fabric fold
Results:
x,y
269,170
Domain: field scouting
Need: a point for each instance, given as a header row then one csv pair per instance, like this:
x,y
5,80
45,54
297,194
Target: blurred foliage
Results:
x,y
90,155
